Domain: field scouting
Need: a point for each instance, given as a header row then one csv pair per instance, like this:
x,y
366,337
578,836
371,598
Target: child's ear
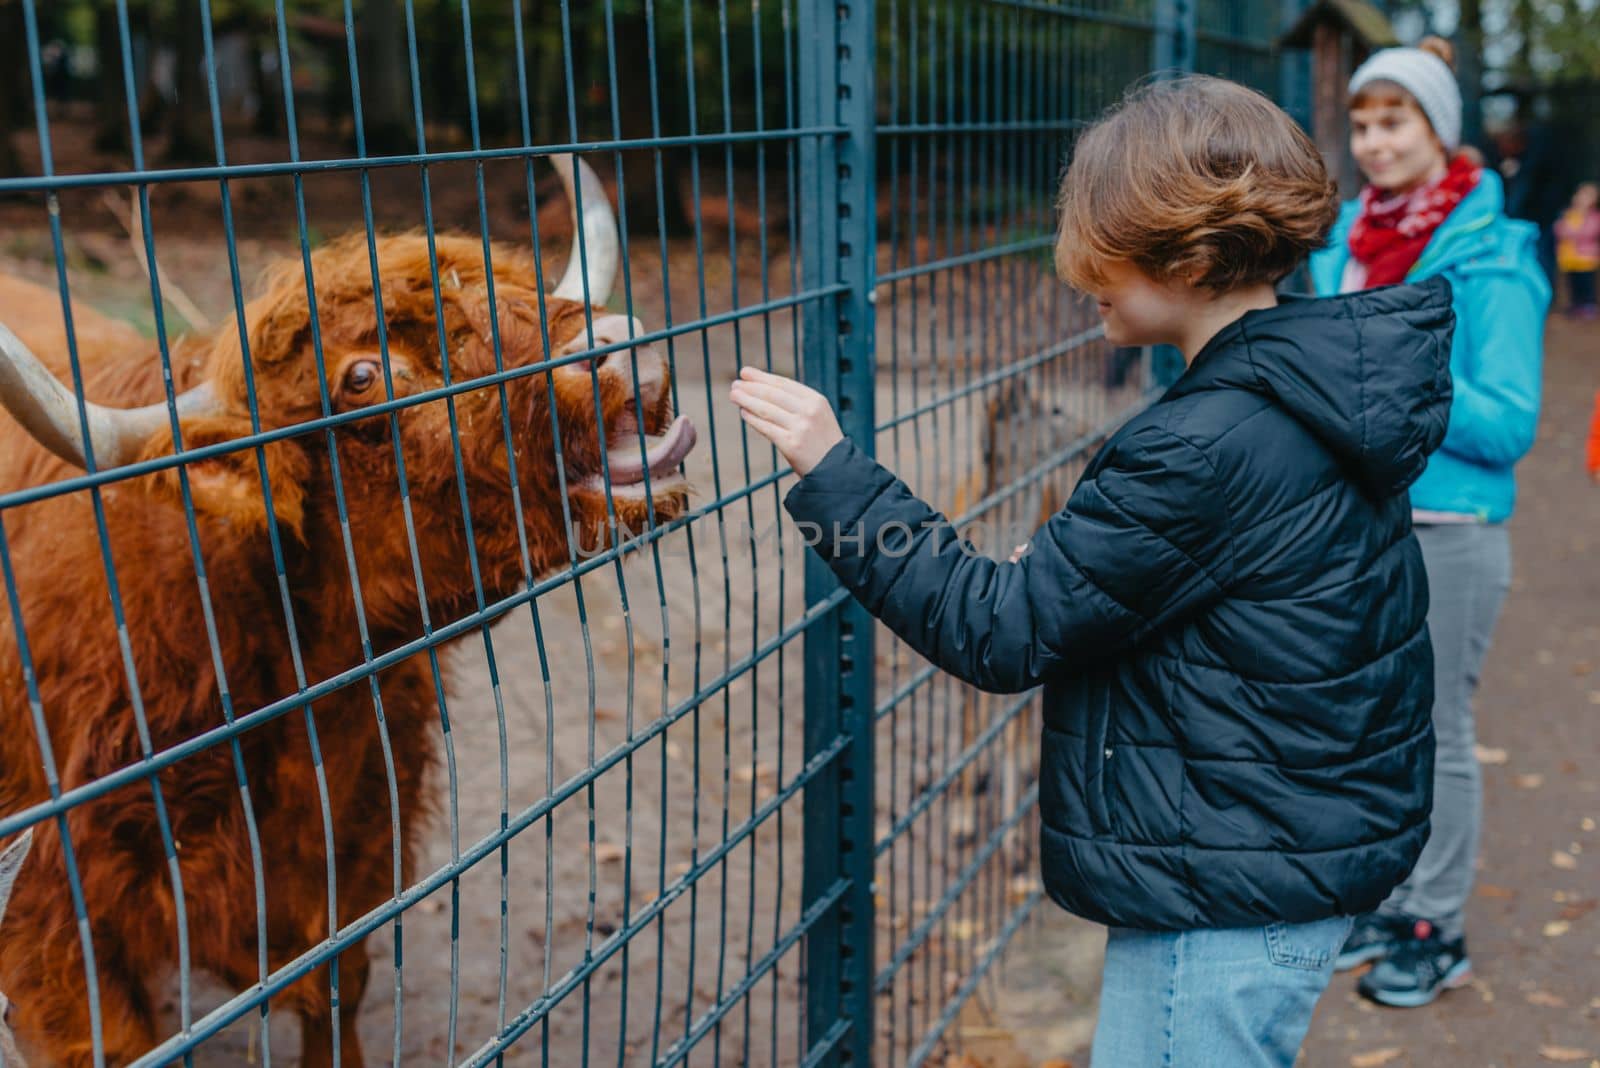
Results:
x,y
227,486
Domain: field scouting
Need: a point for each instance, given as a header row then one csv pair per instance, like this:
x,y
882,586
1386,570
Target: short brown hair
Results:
x,y
1196,178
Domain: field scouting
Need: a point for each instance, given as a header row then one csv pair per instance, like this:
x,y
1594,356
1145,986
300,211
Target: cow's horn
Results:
x,y
49,410
601,248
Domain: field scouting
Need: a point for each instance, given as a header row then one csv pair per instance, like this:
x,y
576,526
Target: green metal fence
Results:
x,y
689,804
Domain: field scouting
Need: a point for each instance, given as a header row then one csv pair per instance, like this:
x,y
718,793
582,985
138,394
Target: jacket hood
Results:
x,y
1368,373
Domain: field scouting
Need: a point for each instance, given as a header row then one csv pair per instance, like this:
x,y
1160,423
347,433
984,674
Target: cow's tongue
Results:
x,y
663,453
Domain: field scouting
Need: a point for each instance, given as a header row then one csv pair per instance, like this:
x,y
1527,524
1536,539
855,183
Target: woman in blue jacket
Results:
x,y
1429,210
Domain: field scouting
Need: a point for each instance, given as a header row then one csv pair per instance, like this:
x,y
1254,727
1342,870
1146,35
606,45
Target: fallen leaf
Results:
x,y
1504,893
1582,667
1488,755
762,771
1564,861
1022,886
1587,824
1556,928
1376,1057
1579,909
608,852
1547,999
1056,1062
1563,1054
1594,697
1530,781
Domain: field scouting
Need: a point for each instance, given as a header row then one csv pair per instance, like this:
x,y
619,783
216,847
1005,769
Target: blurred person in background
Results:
x,y
1594,442
1429,209
1578,249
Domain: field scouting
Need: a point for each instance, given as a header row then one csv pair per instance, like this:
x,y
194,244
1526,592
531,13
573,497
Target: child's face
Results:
x,y
1393,145
1137,310
1586,198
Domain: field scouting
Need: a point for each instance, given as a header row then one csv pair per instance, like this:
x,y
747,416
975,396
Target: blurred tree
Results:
x,y
111,97
189,119
1469,70
16,88
385,78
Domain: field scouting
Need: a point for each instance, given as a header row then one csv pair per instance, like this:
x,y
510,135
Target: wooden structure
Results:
x,y
1340,35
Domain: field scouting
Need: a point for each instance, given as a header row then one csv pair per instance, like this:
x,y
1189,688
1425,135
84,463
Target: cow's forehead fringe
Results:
x,y
279,318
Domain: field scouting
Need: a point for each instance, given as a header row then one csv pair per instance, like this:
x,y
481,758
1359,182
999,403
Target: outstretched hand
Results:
x,y
794,417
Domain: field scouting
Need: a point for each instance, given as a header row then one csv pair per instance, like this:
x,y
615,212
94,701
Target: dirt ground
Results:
x,y
1533,929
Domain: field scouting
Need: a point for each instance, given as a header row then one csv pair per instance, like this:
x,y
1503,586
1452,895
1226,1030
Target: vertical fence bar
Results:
x,y
1294,67
838,246
857,214
1173,45
1172,52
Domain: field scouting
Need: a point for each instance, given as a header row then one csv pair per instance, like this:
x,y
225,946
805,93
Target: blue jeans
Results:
x,y
1232,998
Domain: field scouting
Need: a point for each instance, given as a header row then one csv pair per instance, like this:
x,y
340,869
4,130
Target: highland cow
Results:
x,y
555,452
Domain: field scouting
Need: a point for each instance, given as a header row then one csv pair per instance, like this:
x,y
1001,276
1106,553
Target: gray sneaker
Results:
x,y
1374,937
1419,970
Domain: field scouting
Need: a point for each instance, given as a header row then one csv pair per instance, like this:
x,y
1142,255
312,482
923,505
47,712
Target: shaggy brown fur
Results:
x,y
86,694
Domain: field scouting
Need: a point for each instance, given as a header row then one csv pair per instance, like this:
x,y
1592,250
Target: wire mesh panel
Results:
x,y
417,679
406,657
1234,39
994,386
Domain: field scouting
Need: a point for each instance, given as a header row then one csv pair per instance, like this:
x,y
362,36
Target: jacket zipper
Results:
x,y
1445,241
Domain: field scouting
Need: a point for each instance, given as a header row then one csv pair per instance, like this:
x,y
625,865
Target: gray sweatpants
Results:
x,y
1469,573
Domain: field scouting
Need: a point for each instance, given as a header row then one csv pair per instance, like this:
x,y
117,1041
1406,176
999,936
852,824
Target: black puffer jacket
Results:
x,y
1228,619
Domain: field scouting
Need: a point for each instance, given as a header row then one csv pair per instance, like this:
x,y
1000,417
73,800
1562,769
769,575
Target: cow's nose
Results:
x,y
616,330
651,368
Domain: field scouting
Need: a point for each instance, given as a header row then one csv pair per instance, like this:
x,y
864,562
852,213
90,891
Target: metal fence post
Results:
x,y
1173,44
1171,52
838,243
1294,67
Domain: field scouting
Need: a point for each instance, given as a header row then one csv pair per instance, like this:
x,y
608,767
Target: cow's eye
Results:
x,y
362,376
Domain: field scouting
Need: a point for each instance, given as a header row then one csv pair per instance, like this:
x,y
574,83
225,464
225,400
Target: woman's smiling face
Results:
x,y
1392,141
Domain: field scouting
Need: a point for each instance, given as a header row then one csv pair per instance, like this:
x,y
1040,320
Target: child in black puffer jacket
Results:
x,y
1228,617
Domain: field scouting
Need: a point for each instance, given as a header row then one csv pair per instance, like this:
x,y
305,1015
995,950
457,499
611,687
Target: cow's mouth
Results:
x,y
628,465
636,466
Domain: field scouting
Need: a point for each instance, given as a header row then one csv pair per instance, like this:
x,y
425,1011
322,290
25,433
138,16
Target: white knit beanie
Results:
x,y
1427,78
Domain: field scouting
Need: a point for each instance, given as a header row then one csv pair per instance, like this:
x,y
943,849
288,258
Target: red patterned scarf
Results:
x,y
1393,229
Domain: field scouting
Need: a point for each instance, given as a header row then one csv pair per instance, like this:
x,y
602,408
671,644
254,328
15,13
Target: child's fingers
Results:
x,y
767,430
756,374
786,398
764,408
